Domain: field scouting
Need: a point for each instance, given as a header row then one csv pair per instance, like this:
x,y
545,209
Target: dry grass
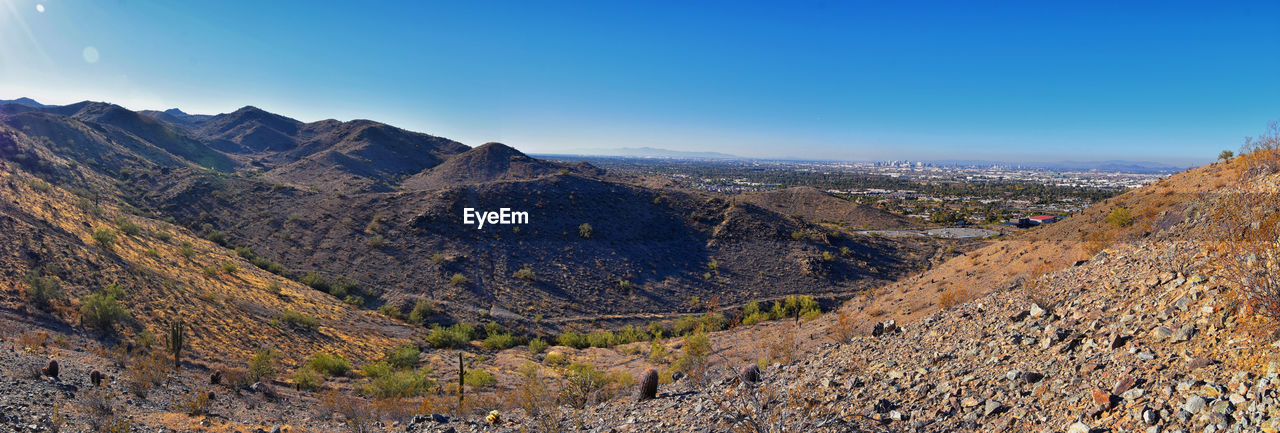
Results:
x,y
952,297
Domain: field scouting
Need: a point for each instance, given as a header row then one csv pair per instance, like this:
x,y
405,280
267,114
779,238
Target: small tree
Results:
x,y
263,364
1226,154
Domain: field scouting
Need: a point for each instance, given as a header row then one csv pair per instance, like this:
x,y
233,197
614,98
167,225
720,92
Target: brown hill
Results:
x,y
486,163
820,206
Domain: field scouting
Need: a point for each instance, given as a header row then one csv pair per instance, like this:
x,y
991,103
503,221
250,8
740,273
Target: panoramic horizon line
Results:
x,y
583,152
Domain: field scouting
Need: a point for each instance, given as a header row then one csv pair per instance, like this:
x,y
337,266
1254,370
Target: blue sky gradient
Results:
x,y
1160,81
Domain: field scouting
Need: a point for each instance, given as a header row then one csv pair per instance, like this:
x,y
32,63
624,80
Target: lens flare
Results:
x,y
39,8
90,54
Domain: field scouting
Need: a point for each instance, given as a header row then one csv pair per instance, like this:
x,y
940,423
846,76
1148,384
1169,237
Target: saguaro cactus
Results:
x,y
176,341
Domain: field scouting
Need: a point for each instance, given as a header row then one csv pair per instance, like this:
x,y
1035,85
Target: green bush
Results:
x,y
104,237
342,286
554,358
422,310
306,379
499,341
601,339
794,306
263,364
478,378
458,280
152,253
186,249
584,231
230,268
314,280
127,227
404,356
1120,217
331,365
354,300
693,357
376,242
391,311
41,290
526,274
630,334
452,337
102,309
574,339
389,383
299,319
537,345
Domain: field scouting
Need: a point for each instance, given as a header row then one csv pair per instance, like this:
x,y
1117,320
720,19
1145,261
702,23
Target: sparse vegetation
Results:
x,y
478,378
499,341
459,280
584,231
390,311
404,356
952,297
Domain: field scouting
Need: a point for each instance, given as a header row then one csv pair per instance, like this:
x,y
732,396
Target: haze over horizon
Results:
x,y
819,80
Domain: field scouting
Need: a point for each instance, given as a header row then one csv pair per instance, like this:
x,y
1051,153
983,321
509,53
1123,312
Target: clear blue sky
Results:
x,y
835,79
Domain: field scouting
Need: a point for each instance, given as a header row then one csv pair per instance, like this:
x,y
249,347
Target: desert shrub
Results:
x,y
1226,154
797,235
554,358
537,345
584,384
573,339
307,379
499,341
342,286
794,306
127,227
105,237
186,249
329,364
404,356
357,301
387,382
152,253
827,256
630,334
584,231
42,290
299,319
391,311
376,242
601,339
144,372
438,258
274,288
452,337
422,310
230,268
810,315
458,279
952,297
1120,217
536,397
752,315
657,352
263,364
526,274
102,309
693,356
215,236
478,378
316,281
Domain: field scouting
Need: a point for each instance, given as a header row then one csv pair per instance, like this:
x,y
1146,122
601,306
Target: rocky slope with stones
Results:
x,y
1144,336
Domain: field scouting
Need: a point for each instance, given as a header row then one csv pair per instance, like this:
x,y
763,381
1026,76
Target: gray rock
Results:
x,y
1194,404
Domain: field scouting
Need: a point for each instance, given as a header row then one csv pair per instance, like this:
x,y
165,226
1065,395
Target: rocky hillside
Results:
x,y
377,210
1148,334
